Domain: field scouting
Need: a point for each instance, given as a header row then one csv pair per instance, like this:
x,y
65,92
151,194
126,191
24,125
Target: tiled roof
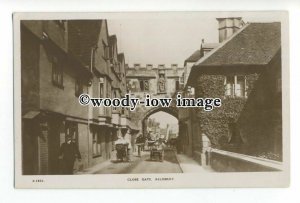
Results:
x,y
194,57
82,36
199,53
255,44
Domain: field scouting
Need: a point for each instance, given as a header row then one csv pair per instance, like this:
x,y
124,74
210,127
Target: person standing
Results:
x,y
68,153
140,143
127,138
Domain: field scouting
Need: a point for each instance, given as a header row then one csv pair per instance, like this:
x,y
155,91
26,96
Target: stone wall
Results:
x,y
238,163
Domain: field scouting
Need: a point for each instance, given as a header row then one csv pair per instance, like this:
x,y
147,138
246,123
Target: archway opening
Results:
x,y
161,124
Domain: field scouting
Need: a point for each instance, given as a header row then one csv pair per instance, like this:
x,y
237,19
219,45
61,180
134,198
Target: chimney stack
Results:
x,y
228,26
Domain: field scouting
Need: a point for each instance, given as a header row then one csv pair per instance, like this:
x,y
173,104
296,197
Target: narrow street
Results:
x,y
143,164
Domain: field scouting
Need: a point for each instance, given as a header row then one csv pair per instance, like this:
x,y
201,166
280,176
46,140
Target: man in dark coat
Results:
x,y
69,152
140,142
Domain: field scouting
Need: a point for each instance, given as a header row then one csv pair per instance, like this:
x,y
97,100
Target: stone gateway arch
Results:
x,y
159,82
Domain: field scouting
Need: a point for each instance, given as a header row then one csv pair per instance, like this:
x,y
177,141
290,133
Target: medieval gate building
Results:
x,y
159,82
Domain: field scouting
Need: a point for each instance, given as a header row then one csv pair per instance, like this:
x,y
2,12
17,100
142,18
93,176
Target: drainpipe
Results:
x,y
90,110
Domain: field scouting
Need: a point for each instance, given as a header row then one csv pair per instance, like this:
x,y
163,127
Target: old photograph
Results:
x,y
92,93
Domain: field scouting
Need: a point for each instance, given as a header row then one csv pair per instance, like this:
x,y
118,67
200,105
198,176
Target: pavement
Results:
x,y
94,169
189,165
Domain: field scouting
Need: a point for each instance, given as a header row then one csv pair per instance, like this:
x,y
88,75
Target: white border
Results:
x,y
9,194
195,180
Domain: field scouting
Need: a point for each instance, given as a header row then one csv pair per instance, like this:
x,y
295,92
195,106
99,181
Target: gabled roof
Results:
x,y
254,44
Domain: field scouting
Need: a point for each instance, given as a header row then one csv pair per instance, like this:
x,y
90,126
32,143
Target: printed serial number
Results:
x,y
38,181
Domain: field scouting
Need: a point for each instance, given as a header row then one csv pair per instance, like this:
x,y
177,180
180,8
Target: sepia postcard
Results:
x,y
151,99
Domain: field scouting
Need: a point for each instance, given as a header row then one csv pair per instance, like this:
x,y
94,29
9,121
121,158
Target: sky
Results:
x,y
167,38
